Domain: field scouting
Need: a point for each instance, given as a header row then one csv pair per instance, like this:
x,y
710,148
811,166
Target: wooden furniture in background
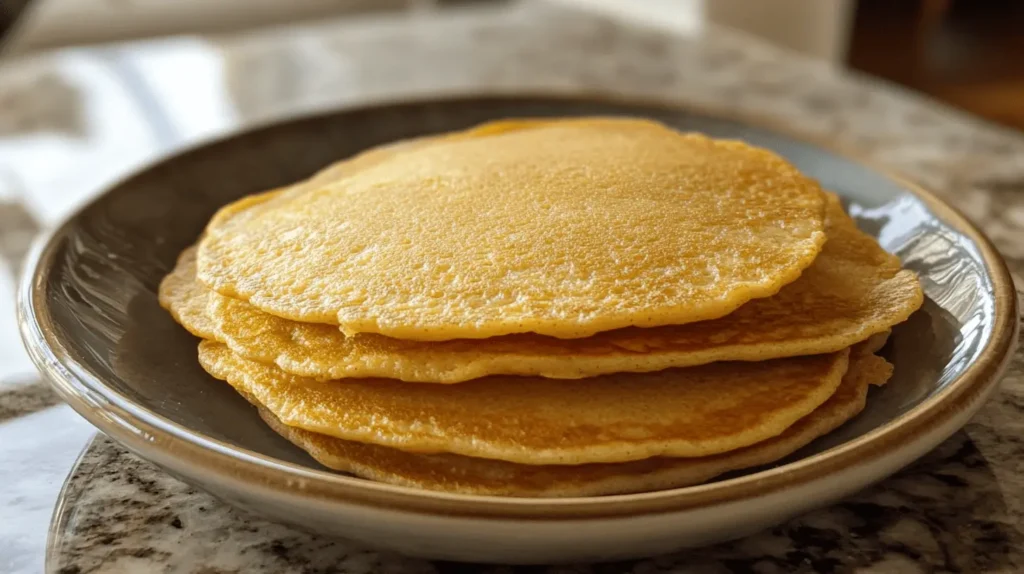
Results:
x,y
969,53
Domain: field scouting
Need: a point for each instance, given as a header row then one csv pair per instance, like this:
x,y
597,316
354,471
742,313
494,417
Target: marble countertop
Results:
x,y
73,120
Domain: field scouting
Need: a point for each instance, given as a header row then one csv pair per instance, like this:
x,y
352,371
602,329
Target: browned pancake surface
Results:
x,y
461,474
696,411
563,228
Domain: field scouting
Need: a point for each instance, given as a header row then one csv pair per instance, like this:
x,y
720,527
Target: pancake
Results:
x,y
253,205
698,411
853,290
875,342
465,475
185,299
562,228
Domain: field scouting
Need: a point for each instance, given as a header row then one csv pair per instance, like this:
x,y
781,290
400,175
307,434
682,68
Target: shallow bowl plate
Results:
x,y
90,318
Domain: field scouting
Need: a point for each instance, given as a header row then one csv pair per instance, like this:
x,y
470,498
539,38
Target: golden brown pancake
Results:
x,y
563,228
254,205
466,475
697,411
874,343
187,300
853,290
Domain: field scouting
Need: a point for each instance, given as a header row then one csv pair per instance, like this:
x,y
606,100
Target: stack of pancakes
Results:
x,y
545,308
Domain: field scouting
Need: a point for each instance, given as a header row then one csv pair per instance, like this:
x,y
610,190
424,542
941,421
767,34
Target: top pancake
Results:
x,y
853,289
563,228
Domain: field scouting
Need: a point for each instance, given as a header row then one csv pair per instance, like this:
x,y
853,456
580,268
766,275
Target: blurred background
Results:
x,y
969,53
91,89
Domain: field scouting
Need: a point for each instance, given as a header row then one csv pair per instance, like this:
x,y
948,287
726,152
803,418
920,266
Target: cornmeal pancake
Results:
x,y
853,290
252,205
462,474
563,228
697,411
187,300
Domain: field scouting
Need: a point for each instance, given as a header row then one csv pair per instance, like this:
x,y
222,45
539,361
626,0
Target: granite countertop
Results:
x,y
72,120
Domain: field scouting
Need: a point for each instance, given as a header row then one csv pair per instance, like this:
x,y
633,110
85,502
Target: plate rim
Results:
x,y
158,439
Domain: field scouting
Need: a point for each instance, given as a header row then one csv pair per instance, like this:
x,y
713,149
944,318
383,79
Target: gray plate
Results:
x,y
91,320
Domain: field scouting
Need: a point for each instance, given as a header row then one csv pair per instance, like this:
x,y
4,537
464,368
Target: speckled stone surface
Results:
x,y
947,513
961,509
18,398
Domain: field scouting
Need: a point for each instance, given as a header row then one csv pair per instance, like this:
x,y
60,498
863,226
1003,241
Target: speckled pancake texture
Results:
x,y
465,475
697,411
562,228
185,299
854,289
624,308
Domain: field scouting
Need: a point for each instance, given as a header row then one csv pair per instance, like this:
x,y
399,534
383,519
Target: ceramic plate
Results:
x,y
90,318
